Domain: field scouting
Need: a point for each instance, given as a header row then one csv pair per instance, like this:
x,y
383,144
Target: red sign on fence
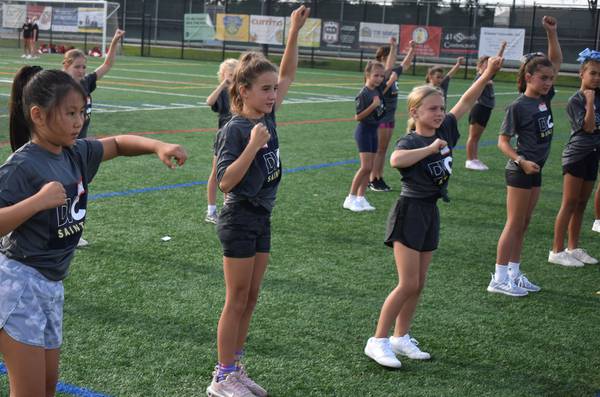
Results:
x,y
426,37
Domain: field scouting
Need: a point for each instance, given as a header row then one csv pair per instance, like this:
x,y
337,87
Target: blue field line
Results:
x,y
66,388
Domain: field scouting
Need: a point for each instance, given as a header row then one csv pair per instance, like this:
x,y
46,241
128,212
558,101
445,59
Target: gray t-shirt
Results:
x,y
222,106
487,97
364,99
89,85
531,121
390,98
259,185
429,177
581,143
47,240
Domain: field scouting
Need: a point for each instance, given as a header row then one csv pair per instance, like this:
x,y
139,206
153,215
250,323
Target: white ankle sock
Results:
x,y
501,273
513,269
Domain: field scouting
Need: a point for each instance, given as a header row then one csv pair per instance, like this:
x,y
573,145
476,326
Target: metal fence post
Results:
x,y
532,28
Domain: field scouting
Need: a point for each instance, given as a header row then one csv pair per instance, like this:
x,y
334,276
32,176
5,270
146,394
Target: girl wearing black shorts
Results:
x,y
424,159
369,110
530,119
580,163
249,171
480,115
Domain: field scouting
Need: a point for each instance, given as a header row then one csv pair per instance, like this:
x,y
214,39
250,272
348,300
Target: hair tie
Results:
x,y
588,55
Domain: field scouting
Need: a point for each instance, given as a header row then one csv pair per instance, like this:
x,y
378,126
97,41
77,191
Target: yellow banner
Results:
x,y
309,35
232,27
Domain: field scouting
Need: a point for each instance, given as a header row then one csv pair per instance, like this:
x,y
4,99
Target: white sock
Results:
x,y
513,269
351,197
211,209
501,273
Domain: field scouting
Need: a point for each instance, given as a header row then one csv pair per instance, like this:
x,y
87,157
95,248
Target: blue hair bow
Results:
x,y
587,55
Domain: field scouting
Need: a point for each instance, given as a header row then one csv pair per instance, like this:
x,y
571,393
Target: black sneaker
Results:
x,y
375,185
384,186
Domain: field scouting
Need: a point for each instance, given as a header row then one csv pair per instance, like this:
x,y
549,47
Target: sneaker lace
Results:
x,y
511,283
235,383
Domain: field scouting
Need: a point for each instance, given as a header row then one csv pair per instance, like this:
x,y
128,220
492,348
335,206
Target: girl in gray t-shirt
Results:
x,y
579,162
43,202
529,119
424,159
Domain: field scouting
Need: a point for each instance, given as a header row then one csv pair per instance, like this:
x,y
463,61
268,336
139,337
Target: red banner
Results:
x,y
427,39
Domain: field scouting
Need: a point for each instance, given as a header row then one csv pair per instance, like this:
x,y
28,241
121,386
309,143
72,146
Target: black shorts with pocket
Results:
x,y
415,222
480,114
586,168
244,230
522,180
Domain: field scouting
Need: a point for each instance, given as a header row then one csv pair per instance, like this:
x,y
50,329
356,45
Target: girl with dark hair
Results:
x,y
389,88
580,164
43,201
249,172
480,115
529,119
435,77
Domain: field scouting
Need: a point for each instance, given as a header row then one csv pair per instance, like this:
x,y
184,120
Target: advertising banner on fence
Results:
x,y
309,35
14,15
490,40
266,29
457,42
90,20
427,39
336,35
377,33
232,27
43,15
64,19
197,27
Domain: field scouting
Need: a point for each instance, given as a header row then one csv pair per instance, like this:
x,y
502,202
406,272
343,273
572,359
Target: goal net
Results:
x,y
84,24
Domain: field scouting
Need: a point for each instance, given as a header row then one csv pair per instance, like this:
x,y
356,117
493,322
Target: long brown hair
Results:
x,y
531,66
251,65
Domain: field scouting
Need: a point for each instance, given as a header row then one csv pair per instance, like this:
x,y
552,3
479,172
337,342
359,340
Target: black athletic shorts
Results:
x,y
366,137
521,180
586,169
244,230
480,115
415,222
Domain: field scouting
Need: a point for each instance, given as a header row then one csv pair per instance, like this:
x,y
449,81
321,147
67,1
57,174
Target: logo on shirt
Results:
x,y
545,126
71,215
441,169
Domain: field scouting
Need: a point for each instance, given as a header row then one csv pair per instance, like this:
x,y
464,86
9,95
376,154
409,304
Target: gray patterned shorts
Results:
x,y
31,306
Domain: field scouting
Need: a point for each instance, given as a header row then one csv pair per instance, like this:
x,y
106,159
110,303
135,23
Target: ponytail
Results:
x,y
19,128
250,66
530,66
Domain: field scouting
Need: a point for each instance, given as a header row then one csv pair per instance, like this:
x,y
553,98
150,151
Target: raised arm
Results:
x,y
212,98
393,55
409,55
132,145
468,99
455,68
502,49
289,61
51,195
110,56
554,51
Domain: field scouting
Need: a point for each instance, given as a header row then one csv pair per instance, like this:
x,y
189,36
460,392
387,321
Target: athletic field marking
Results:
x,y
66,388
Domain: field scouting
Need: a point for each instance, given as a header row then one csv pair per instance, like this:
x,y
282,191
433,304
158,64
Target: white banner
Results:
x,y
14,15
90,20
378,33
266,29
490,40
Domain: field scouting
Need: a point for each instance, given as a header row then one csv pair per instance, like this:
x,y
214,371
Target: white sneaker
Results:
x,y
24,55
564,258
523,282
380,350
211,217
364,204
474,165
506,287
407,346
596,226
228,387
82,243
28,57
482,166
582,256
348,202
251,385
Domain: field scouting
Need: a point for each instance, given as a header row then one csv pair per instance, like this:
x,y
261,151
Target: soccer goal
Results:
x,y
83,23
